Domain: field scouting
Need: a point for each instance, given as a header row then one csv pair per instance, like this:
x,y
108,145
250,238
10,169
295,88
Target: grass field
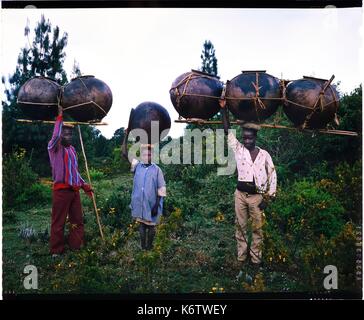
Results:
x,y
194,252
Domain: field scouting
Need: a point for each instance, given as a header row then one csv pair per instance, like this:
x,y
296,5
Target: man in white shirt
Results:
x,y
257,182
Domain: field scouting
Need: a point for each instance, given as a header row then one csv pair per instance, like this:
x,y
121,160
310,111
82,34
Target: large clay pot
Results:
x,y
196,94
38,98
142,116
301,97
86,98
253,95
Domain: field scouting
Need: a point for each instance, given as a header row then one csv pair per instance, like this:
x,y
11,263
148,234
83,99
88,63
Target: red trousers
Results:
x,y
66,202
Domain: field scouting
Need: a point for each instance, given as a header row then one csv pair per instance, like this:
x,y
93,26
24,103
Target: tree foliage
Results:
x,y
209,60
44,56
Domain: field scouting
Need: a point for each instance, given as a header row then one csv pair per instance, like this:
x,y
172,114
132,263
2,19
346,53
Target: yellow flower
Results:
x,y
219,217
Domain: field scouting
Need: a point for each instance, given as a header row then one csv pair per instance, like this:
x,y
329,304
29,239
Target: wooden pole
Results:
x,y
89,179
65,122
275,126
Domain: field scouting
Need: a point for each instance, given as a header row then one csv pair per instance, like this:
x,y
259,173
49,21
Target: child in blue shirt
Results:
x,y
149,189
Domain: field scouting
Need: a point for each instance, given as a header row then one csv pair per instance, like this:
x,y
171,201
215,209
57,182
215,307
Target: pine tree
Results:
x,y
44,56
209,60
209,65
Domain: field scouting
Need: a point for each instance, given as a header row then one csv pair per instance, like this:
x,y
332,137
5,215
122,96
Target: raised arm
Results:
x,y
224,113
124,146
232,141
57,131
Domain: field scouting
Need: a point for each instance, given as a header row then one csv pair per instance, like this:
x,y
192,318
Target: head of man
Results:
x,y
250,131
67,134
146,154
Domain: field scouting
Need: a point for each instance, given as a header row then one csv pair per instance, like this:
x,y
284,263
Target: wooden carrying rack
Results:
x,y
273,126
90,123
26,121
303,128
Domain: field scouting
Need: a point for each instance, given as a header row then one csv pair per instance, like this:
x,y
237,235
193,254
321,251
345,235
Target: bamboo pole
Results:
x,y
89,179
65,122
274,126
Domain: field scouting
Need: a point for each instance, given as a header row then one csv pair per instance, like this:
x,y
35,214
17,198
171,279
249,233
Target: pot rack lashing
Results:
x,y
319,105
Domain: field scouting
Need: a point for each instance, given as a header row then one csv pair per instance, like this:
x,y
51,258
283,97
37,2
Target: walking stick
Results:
x,y
89,179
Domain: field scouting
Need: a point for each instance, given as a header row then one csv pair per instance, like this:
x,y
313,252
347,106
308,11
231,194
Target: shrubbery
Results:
x,y
20,184
306,230
115,211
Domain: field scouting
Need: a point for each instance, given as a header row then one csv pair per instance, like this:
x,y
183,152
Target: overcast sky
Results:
x,y
139,52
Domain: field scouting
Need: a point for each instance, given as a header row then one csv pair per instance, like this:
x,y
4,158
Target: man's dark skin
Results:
x,y
66,141
249,140
67,133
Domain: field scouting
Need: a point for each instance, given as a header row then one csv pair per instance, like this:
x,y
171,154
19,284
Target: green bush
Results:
x,y
304,202
305,230
36,194
96,175
115,210
346,186
119,164
17,177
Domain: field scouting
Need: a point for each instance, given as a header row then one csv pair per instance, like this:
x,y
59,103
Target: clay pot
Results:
x,y
38,98
301,97
253,95
86,99
142,116
195,94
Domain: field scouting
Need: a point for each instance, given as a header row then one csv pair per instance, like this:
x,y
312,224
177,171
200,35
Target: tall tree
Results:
x,y
209,65
209,60
44,56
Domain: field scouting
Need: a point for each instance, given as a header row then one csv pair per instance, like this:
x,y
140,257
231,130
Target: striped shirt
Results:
x,y
63,160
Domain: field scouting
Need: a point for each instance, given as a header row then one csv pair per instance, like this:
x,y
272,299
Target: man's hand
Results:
x,y
222,103
88,190
263,205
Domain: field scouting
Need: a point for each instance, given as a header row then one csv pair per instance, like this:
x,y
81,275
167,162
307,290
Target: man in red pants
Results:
x,y
67,182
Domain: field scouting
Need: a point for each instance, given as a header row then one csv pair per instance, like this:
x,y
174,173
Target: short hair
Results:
x,y
255,132
251,125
